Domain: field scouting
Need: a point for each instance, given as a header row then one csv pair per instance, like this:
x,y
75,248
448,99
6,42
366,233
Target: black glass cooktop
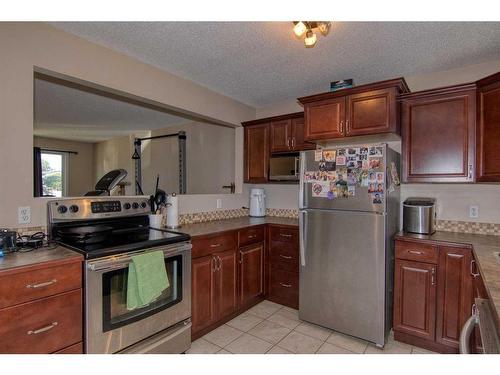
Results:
x,y
117,238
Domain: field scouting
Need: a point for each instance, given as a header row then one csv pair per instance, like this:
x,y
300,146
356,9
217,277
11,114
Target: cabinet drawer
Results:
x,y
207,245
73,349
43,326
419,252
284,287
284,236
284,258
31,285
250,235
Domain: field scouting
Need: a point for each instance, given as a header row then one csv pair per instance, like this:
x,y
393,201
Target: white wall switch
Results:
x,y
24,215
474,211
219,203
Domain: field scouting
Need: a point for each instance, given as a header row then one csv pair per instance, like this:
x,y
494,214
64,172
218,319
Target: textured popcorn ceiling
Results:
x,y
259,63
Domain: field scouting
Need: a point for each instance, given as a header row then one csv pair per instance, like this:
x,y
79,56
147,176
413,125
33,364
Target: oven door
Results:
x,y
109,326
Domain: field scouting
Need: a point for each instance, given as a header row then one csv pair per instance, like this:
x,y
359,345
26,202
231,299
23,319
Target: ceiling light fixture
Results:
x,y
307,28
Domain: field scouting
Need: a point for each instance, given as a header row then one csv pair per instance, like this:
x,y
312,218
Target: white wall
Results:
x,y
453,200
26,46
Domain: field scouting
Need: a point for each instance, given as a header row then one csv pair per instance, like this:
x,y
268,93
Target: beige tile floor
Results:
x,y
275,329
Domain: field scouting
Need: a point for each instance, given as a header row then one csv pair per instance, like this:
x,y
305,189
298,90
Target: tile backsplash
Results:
x,y
468,227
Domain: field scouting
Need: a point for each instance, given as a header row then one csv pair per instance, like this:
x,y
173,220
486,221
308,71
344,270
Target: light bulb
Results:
x,y
324,27
299,29
310,39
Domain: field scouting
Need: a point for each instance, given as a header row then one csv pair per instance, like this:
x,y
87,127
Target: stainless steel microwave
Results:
x,y
284,167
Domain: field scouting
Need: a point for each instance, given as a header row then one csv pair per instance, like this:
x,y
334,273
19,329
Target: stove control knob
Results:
x,y
73,208
62,209
143,204
135,205
126,206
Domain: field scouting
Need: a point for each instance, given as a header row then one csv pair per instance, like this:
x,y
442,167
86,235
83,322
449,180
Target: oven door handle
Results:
x,y
122,261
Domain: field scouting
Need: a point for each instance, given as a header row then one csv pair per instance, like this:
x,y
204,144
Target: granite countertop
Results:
x,y
484,247
200,229
36,257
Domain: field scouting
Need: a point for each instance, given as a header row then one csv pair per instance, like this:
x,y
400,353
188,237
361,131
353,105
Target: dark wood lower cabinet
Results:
x,y
454,297
433,295
251,273
203,292
415,298
226,289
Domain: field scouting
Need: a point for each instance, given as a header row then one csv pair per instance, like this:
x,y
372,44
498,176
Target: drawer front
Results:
x,y
284,257
43,326
419,252
284,287
73,349
28,286
206,245
285,235
250,235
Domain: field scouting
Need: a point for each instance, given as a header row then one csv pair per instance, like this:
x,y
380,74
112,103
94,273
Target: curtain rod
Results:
x,y
66,151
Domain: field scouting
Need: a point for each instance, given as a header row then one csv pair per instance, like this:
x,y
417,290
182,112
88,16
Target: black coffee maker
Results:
x,y
8,240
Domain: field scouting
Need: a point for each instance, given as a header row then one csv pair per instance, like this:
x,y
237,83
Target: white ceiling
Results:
x,y
67,113
260,63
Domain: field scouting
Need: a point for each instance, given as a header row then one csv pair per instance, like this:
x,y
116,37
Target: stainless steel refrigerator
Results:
x,y
346,250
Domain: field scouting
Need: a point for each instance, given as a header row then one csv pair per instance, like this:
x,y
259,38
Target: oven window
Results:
x,y
115,313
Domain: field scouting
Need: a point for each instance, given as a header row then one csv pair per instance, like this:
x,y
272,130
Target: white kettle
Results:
x,y
257,202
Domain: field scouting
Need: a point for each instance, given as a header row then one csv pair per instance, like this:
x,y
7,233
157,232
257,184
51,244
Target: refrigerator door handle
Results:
x,y
302,237
302,164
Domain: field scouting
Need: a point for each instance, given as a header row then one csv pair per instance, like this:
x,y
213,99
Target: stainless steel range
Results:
x,y
108,231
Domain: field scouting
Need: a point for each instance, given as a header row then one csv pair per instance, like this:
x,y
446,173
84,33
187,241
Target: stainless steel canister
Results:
x,y
419,215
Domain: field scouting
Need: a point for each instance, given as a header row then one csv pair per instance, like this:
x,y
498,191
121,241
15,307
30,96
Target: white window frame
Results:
x,y
64,169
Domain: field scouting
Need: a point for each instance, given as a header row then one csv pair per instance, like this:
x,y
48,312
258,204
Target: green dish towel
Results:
x,y
147,279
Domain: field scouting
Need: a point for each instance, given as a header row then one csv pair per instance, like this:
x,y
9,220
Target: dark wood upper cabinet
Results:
x,y
325,119
415,298
488,129
298,141
281,135
256,153
361,110
438,132
454,295
372,112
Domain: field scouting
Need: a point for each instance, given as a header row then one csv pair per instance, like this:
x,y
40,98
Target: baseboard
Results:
x,y
423,343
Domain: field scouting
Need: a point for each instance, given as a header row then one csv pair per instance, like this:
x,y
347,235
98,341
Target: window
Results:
x,y
54,170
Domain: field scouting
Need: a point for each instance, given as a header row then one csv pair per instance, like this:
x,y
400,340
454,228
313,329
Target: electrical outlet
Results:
x,y
219,203
474,211
24,215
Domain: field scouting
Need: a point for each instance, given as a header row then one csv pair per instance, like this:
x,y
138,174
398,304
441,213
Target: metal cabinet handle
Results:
x,y
252,236
285,256
470,171
285,235
288,143
216,245
40,330
286,285
241,257
340,129
473,268
293,142
219,263
41,285
415,252
348,127
214,265
433,277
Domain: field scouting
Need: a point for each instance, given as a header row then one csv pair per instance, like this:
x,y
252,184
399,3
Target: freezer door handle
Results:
x,y
302,237
302,165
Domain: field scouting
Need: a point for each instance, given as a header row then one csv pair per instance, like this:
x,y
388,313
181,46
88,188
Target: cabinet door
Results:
x,y
281,135
415,298
372,112
251,273
324,119
298,141
227,290
438,137
488,133
203,311
256,153
454,295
